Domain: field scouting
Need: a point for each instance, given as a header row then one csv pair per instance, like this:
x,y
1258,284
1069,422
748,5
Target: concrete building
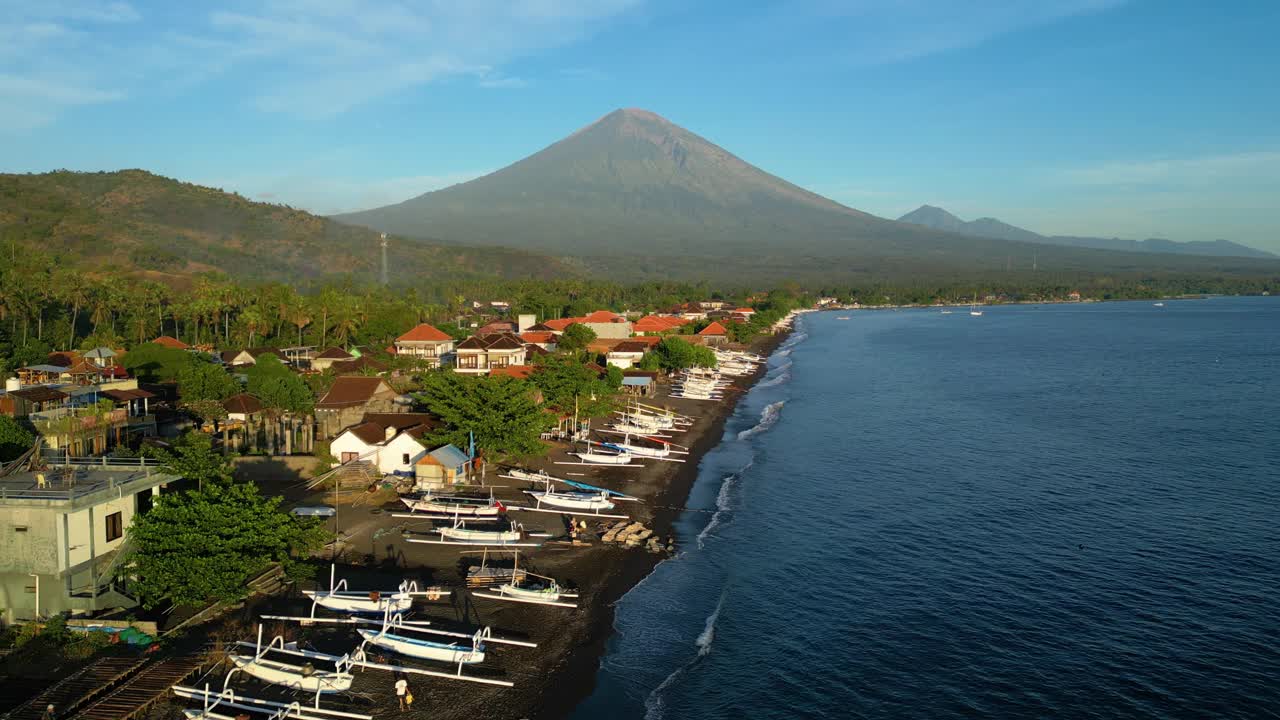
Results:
x,y
63,533
426,344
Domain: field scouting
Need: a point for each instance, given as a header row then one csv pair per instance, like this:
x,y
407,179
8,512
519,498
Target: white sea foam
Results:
x,y
768,417
724,499
654,706
709,630
778,379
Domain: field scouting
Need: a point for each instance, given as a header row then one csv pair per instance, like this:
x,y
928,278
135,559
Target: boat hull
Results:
x,y
397,602
323,681
424,649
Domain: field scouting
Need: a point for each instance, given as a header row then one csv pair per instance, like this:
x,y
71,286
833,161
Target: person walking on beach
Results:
x,y
49,713
402,691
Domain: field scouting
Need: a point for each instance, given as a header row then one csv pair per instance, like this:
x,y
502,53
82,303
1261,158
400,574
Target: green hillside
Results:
x,y
135,221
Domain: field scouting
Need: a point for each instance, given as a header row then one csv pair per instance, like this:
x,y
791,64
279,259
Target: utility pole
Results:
x,y
383,242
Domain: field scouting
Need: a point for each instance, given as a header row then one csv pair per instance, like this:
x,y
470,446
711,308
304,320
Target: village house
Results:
x,y
425,343
390,442
627,353
714,334
242,407
479,354
359,366
544,339
641,383
602,322
246,357
172,343
349,399
63,532
657,324
443,466
742,314
324,360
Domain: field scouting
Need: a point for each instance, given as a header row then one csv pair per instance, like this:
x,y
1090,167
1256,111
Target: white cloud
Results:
x,y
321,57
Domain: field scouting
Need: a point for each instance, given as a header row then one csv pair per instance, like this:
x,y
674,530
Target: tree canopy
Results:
x,y
151,362
563,381
14,438
576,337
193,458
674,353
278,387
501,411
201,545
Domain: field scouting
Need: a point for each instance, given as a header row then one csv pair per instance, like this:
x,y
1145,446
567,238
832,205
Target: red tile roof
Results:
x,y
562,323
171,342
520,372
335,353
631,346
538,336
424,333
603,316
242,404
747,311
715,329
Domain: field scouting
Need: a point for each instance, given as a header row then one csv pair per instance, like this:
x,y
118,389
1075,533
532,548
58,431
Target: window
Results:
x,y
404,459
115,526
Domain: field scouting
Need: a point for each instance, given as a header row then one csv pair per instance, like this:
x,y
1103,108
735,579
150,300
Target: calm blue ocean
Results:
x,y
1067,511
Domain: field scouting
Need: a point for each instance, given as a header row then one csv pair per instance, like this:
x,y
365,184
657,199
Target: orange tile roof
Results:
x,y
603,316
519,372
171,342
562,323
424,333
538,336
714,329
744,310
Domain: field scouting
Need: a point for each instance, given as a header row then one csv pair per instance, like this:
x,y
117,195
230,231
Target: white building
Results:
x,y
63,533
390,442
479,354
426,343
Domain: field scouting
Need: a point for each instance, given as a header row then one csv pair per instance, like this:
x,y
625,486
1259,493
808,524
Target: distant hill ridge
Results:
x,y
939,219
133,220
637,196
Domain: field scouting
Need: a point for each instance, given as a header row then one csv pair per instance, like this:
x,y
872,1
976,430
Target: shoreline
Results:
x,y
577,680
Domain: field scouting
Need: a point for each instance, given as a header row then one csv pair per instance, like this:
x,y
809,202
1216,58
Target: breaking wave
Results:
x,y
709,630
778,379
722,503
654,705
767,419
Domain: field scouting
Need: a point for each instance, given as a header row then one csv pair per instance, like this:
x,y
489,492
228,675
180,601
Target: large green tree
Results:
x,y
501,411
201,545
568,385
575,338
14,438
278,387
156,363
193,458
673,353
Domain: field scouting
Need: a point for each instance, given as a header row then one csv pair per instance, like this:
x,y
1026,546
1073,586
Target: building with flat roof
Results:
x,y
63,532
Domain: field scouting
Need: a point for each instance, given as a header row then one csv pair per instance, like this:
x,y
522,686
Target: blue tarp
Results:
x,y
449,456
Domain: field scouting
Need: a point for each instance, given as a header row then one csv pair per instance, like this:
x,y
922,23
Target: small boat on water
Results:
x,y
1159,304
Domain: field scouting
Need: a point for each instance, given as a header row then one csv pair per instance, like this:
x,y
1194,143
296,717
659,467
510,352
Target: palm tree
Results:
x,y
300,315
75,292
253,320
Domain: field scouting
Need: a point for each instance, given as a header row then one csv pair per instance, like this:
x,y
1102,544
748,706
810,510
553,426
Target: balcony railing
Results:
x,y
88,417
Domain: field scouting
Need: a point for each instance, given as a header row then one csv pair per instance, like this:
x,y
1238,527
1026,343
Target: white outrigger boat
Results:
x,y
572,502
391,636
453,505
530,588
340,599
214,701
459,534
608,457
543,477
662,452
295,669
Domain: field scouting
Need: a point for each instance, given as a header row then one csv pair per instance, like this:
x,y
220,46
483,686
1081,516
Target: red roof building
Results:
x,y
424,333
519,372
171,342
715,329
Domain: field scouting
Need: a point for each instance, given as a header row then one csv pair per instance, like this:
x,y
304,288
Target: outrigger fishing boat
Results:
x,y
542,477
662,452
214,701
391,636
611,457
340,599
514,535
530,588
295,669
571,502
453,505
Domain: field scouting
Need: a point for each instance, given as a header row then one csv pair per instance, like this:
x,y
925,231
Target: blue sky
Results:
x,y
1137,119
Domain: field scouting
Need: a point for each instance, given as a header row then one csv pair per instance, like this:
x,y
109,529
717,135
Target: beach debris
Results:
x,y
634,535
